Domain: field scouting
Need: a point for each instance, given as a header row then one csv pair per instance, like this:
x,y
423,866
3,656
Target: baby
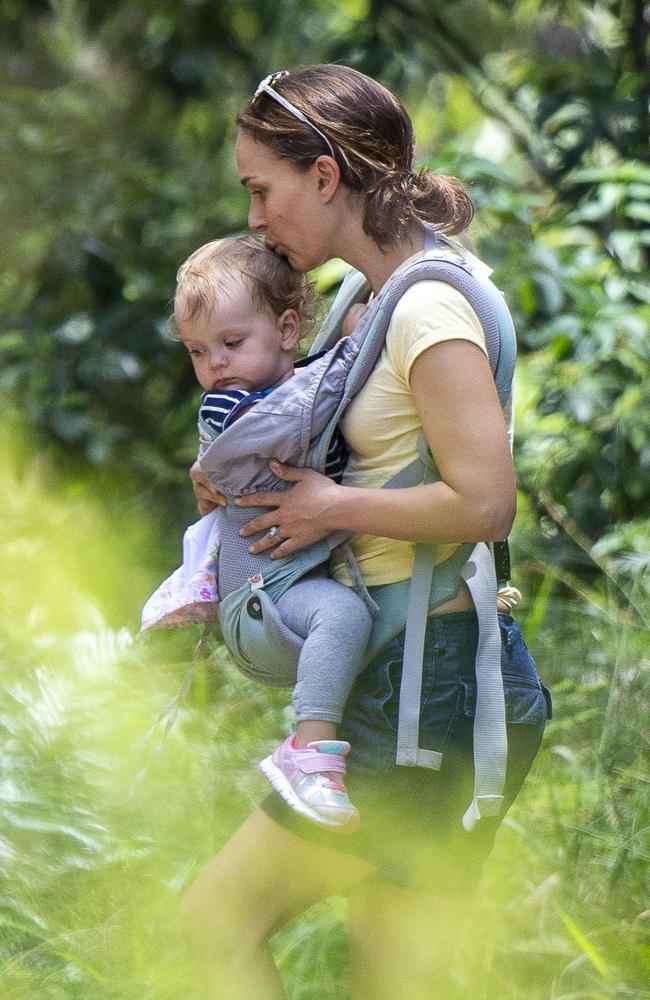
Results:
x,y
238,310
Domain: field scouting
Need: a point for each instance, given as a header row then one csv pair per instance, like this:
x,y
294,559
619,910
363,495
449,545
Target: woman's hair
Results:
x,y
372,138
210,270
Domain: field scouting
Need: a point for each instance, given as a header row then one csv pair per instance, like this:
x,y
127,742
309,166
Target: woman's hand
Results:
x,y
301,515
208,498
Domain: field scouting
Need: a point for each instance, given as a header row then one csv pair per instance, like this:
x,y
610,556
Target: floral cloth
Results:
x,y
189,596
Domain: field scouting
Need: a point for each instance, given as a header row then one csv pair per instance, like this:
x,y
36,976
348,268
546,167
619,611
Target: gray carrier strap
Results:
x,y
490,737
442,260
409,753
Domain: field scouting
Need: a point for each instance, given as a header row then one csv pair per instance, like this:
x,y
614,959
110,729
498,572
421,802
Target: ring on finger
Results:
x,y
274,531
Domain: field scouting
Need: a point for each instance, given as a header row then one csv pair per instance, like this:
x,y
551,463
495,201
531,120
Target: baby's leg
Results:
x,y
335,624
307,769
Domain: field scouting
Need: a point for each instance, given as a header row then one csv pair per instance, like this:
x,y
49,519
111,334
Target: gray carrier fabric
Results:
x,y
283,425
294,424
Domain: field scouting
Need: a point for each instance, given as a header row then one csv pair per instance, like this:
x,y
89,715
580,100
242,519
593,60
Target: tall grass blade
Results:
x,y
586,947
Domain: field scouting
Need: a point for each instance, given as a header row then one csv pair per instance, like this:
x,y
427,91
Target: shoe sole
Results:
x,y
276,777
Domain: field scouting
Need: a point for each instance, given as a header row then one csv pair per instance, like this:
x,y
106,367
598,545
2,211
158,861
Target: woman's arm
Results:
x,y
456,399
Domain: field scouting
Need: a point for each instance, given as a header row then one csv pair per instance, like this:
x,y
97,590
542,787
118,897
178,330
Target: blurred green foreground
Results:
x,y
106,817
119,778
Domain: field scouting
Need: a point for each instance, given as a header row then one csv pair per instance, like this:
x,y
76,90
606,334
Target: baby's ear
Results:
x,y
289,326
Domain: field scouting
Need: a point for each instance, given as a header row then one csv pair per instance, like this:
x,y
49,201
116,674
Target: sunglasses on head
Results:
x,y
265,86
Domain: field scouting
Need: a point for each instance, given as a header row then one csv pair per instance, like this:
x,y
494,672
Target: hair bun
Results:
x,y
442,201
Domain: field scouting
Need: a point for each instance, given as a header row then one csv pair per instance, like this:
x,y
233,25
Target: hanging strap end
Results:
x,y
416,757
482,805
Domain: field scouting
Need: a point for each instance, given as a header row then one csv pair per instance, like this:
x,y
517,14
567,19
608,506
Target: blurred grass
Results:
x,y
101,830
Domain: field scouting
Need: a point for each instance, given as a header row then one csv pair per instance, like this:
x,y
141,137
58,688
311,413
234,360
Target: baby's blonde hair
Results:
x,y
273,283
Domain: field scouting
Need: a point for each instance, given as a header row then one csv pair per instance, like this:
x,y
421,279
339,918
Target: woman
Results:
x,y
326,156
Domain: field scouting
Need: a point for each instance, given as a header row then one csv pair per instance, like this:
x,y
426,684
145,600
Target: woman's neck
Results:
x,y
378,263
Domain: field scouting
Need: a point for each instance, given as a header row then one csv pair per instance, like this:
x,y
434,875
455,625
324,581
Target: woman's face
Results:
x,y
285,204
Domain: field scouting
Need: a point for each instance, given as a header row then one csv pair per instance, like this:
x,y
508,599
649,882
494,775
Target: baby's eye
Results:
x,y
195,352
233,344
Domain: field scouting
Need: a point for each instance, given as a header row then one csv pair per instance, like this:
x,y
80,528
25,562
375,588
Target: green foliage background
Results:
x,y
116,132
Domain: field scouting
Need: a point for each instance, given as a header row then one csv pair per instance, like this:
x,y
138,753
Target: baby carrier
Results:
x,y
294,424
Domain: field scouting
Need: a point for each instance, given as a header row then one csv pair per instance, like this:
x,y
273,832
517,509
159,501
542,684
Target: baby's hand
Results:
x,y
207,497
352,317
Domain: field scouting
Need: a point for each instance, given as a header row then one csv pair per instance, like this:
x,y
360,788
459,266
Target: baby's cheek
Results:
x,y
201,375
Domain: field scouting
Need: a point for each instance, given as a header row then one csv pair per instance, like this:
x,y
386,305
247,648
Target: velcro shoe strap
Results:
x,y
311,762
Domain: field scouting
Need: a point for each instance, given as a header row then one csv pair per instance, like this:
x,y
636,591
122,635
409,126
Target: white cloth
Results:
x,y
189,596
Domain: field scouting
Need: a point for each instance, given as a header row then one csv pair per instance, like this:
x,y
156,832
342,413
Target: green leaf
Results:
x,y
638,210
625,173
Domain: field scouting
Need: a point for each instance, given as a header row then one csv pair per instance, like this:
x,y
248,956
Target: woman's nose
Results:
x,y
255,218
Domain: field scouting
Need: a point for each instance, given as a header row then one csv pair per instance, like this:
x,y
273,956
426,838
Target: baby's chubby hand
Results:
x,y
352,317
208,498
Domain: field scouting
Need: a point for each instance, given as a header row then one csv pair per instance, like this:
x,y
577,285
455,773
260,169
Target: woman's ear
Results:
x,y
328,175
288,324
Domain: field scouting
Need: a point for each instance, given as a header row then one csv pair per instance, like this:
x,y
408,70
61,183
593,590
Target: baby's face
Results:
x,y
239,345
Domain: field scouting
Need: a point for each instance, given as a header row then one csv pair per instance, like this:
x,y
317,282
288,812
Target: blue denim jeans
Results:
x,y
411,817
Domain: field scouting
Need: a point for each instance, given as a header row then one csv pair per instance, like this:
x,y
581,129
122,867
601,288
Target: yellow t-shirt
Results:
x,y
381,425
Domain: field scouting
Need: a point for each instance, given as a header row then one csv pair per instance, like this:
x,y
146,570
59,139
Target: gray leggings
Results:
x,y
335,624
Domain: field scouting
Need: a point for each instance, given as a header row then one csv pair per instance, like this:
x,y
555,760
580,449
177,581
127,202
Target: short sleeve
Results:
x,y
428,313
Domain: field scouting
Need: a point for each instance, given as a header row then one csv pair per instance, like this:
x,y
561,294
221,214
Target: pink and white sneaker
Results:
x,y
308,781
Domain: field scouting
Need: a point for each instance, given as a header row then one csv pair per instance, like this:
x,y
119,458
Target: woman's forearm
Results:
x,y
432,513
315,506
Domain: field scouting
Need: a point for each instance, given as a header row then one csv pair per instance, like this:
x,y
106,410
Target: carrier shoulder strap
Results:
x,y
442,260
